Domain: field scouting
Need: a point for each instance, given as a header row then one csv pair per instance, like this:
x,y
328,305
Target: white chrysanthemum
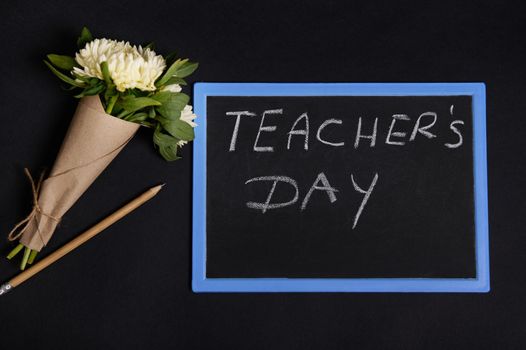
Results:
x,y
188,116
130,66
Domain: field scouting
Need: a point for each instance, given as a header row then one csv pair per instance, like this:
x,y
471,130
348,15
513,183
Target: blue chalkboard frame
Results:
x,y
480,284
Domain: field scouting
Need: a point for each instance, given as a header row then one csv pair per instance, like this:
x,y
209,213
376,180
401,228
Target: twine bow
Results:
x,y
22,226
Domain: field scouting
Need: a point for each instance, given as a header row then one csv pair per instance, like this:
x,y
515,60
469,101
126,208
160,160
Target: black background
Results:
x,y
136,294
418,221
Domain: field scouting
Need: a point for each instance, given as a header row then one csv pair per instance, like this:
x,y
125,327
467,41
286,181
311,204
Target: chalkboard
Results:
x,y
340,187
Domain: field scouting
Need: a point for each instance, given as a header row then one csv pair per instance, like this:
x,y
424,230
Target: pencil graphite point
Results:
x,y
160,185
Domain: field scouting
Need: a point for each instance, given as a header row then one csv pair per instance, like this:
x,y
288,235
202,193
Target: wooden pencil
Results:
x,y
80,239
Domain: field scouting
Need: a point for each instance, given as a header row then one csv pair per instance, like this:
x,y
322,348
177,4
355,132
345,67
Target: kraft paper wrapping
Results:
x,y
93,140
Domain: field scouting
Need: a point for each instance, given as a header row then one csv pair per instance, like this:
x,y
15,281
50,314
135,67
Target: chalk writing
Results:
x,y
399,129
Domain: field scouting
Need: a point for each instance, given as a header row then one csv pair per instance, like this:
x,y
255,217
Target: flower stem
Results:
x,y
15,251
24,259
110,106
32,256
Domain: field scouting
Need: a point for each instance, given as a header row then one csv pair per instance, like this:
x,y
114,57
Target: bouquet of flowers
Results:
x,y
120,87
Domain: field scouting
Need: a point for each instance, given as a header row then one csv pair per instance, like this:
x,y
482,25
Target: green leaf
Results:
x,y
151,113
123,114
169,153
91,91
105,72
62,62
176,80
179,129
148,124
132,104
180,68
170,72
162,139
186,69
172,103
83,78
166,144
63,77
137,117
84,38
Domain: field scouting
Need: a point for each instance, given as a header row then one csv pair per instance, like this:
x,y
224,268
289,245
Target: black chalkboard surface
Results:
x,y
340,187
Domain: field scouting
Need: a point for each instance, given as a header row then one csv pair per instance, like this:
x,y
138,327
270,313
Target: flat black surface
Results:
x,y
130,287
418,221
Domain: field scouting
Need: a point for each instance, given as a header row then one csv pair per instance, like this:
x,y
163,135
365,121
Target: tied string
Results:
x,y
23,225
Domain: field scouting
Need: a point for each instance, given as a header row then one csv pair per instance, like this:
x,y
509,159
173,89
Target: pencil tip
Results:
x,y
158,187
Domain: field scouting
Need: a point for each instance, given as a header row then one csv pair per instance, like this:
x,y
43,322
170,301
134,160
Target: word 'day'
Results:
x,y
320,184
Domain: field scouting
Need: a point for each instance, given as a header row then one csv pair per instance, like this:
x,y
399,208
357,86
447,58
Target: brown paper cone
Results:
x,y
93,140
